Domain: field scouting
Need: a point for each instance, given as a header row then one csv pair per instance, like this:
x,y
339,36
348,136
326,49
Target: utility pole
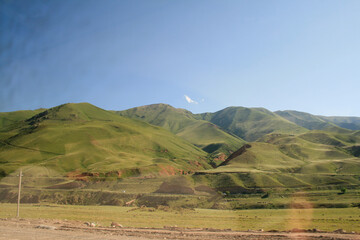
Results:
x,y
18,203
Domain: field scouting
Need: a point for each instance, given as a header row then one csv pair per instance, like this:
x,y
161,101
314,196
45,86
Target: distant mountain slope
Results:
x,y
307,120
183,123
251,123
352,123
313,122
84,138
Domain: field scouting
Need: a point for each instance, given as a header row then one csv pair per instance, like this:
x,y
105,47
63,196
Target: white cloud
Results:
x,y
189,100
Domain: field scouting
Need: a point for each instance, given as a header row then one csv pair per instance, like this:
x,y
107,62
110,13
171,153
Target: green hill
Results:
x,y
251,123
183,123
308,121
352,123
82,138
310,160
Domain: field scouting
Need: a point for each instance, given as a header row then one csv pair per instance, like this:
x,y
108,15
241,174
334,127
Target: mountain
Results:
x,y
251,123
352,123
286,149
81,138
307,120
313,122
183,123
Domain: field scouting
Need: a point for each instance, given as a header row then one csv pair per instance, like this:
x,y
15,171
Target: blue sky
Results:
x,y
300,55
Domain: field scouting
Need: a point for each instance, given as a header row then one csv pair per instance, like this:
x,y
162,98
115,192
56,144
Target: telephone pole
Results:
x,y
18,203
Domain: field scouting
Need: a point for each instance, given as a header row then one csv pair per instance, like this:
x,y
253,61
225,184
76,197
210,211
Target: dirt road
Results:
x,y
25,229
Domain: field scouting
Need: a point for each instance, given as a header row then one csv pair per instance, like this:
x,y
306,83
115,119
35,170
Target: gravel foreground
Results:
x,y
31,229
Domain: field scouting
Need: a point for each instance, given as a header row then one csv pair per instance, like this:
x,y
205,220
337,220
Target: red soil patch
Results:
x,y
220,157
168,171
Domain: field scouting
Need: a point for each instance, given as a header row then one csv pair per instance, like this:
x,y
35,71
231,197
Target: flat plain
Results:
x,y
323,219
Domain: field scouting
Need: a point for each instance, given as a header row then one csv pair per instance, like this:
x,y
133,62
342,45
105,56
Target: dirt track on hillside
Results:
x,y
57,230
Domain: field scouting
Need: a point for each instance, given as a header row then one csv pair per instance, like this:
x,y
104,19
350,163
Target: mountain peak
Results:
x,y
251,123
73,112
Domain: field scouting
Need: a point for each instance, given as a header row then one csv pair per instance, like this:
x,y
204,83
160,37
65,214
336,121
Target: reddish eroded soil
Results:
x,y
39,229
222,157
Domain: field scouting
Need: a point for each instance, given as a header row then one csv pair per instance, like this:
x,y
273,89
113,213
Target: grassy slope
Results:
x,y
308,121
83,137
201,133
251,123
352,123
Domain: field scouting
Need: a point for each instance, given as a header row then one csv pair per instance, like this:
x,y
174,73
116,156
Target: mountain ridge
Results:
x,y
83,142
185,124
